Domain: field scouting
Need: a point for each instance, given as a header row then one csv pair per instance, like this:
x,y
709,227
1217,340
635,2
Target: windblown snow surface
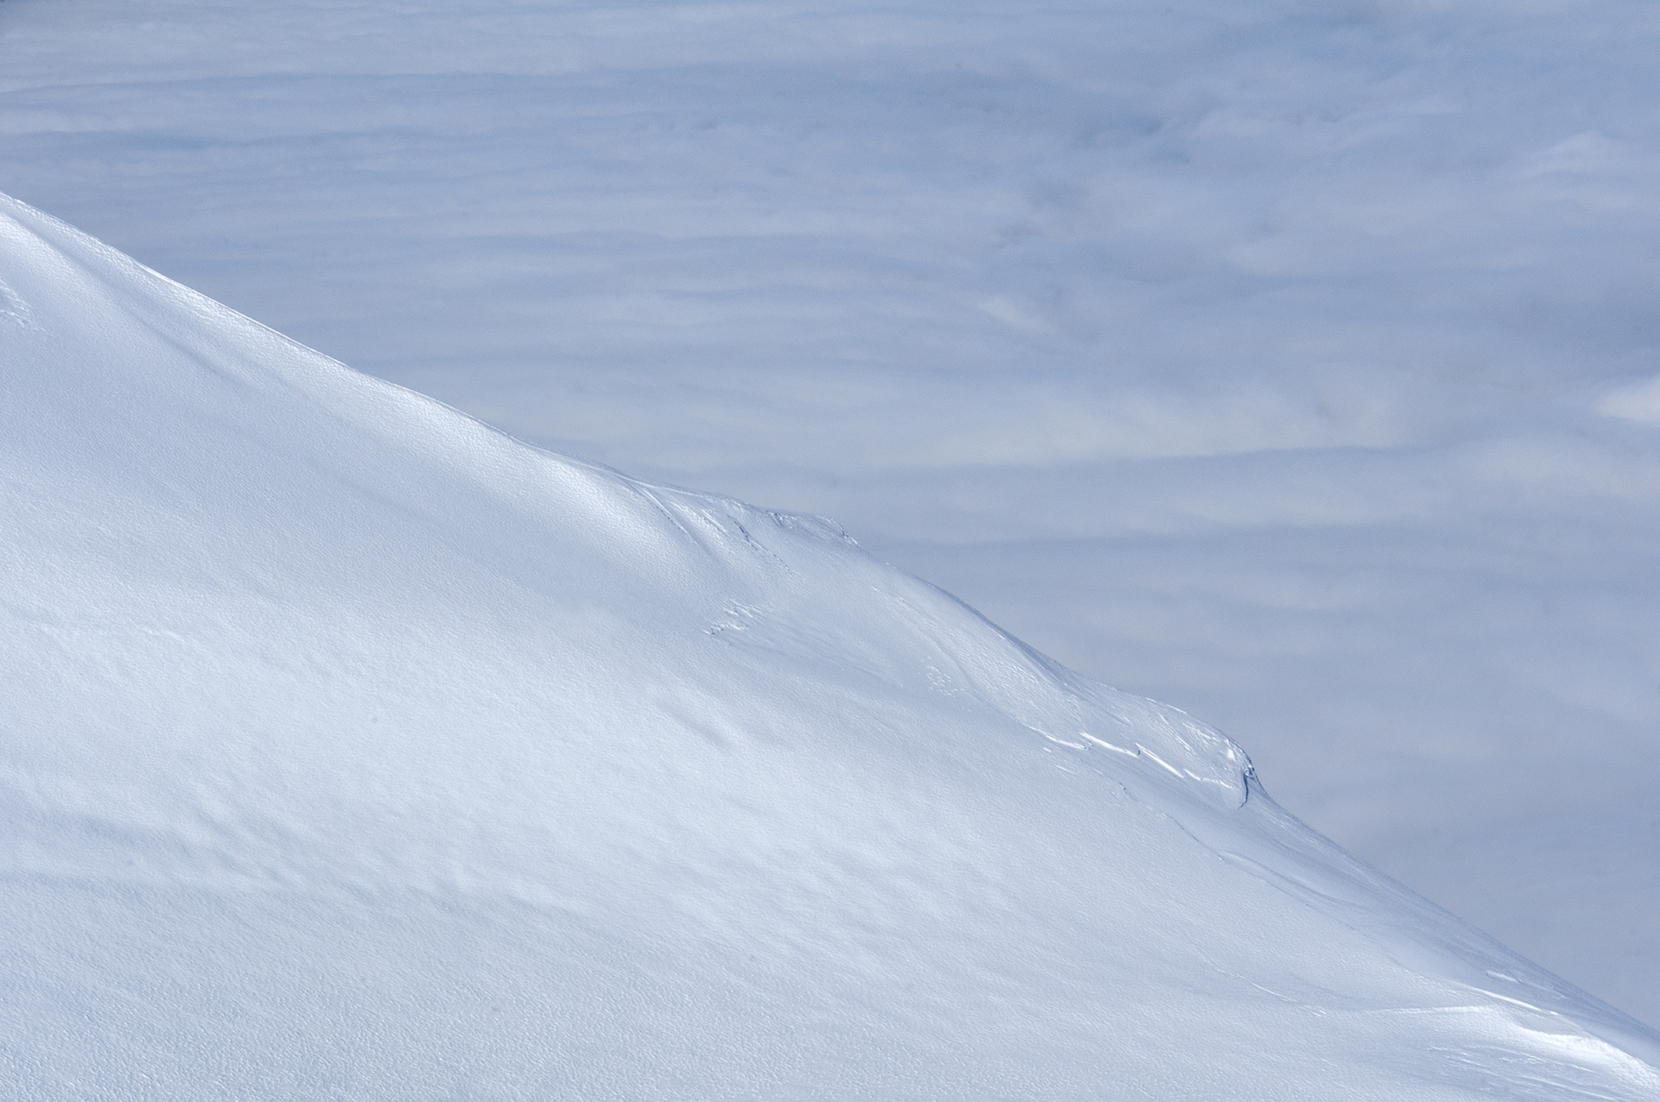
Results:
x,y
1292,361
353,749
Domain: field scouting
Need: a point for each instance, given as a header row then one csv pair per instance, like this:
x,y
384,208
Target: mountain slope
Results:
x,y
353,749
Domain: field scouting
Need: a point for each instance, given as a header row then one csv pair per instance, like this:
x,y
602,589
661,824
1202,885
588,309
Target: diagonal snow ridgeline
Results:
x,y
352,749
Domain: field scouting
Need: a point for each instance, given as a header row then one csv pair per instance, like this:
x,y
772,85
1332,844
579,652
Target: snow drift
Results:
x,y
354,749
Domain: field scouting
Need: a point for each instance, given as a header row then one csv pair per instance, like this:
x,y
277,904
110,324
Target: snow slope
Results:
x,y
1290,361
354,749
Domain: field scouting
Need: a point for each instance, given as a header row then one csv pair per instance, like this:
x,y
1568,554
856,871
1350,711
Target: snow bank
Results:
x,y
353,748
1288,362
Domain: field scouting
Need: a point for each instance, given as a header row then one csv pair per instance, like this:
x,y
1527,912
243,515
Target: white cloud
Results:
x,y
1634,403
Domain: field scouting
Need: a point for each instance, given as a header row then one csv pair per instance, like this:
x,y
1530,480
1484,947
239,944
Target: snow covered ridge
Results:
x,y
353,749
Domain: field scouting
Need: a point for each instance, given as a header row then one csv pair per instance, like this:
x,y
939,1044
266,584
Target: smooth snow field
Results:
x,y
353,749
1291,361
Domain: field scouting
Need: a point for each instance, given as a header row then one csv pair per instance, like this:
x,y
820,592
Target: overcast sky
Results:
x,y
1294,363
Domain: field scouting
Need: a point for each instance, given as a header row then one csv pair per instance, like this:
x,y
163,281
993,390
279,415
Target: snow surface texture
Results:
x,y
1291,361
354,749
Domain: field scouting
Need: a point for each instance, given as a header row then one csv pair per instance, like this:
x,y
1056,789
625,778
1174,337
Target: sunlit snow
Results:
x,y
1289,361
355,749
1292,362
